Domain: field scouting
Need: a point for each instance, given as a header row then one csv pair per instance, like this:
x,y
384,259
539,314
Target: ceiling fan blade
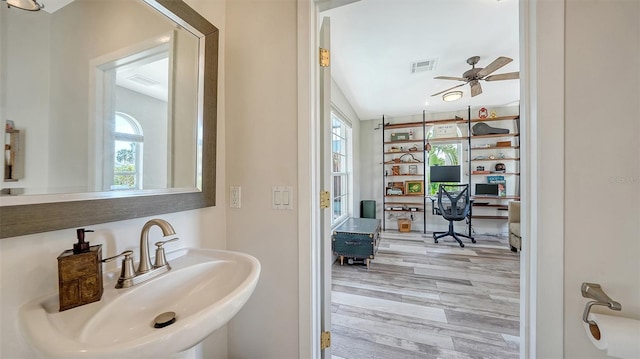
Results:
x,y
496,64
449,78
476,89
505,76
449,89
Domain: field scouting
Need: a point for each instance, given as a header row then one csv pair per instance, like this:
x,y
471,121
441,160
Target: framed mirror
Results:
x,y
114,185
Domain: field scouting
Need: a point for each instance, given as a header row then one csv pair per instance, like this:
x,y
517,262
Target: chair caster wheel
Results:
x,y
473,240
461,245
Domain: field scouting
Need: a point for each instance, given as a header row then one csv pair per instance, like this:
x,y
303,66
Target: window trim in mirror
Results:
x,y
26,219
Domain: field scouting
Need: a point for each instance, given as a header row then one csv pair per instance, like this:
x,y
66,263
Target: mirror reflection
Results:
x,y
97,95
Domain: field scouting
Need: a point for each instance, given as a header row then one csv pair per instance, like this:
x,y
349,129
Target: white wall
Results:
x,y
28,265
261,106
602,154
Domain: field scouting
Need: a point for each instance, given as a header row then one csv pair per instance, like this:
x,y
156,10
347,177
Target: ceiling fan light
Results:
x,y
30,5
452,96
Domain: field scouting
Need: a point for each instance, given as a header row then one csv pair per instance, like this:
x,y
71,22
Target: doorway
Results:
x,y
522,333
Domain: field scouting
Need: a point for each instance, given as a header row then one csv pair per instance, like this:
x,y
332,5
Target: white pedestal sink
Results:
x,y
205,289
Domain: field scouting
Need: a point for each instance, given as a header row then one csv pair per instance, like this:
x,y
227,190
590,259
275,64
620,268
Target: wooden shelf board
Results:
x,y
488,217
501,118
496,174
491,148
398,152
403,175
404,141
495,135
392,126
449,120
495,197
403,210
497,159
401,163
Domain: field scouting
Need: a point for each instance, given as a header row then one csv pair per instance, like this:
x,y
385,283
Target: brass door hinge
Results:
x,y
325,199
325,340
324,57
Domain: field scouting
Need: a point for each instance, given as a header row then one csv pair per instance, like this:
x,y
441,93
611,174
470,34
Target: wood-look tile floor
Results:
x,y
419,299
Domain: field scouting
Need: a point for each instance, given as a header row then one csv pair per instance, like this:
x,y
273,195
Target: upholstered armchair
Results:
x,y
515,241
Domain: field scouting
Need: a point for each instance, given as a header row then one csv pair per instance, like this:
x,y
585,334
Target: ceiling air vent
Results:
x,y
424,65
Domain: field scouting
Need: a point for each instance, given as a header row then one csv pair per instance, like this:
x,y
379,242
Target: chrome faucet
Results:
x,y
145,271
145,261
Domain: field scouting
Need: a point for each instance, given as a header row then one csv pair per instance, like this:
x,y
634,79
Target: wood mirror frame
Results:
x,y
21,220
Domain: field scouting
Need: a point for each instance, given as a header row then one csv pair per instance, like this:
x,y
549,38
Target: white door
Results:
x,y
325,185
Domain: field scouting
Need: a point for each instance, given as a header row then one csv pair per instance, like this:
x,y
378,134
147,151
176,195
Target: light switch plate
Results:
x,y
282,197
235,198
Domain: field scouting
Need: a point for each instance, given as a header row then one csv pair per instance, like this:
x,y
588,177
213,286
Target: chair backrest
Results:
x,y
457,201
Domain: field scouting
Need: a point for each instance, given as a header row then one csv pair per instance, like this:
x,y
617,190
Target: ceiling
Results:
x,y
375,42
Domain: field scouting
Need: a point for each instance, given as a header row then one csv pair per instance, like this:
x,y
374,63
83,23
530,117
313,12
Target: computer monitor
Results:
x,y
444,173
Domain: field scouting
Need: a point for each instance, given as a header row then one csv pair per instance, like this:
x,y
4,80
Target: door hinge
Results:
x,y
325,340
325,199
324,57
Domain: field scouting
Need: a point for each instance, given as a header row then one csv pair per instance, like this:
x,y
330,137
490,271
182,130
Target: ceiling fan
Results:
x,y
475,74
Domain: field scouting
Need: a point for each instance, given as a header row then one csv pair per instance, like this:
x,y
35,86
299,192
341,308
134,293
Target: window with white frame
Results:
x,y
127,165
341,157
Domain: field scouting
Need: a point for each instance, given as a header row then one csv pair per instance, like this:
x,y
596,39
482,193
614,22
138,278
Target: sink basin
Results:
x,y
205,289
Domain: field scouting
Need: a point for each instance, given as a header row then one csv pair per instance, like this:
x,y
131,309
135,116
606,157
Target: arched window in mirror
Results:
x,y
128,143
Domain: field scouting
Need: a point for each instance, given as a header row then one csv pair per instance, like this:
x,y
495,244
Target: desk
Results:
x,y
436,211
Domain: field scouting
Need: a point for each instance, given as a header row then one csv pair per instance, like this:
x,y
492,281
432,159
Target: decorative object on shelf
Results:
x,y
479,168
411,134
413,148
395,149
445,130
394,191
8,126
503,144
396,185
500,167
414,187
408,158
404,224
395,170
427,146
495,179
493,114
492,157
399,136
413,169
501,155
482,128
482,113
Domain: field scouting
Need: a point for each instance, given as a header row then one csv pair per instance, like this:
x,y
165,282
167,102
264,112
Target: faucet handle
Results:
x,y
159,244
127,271
161,259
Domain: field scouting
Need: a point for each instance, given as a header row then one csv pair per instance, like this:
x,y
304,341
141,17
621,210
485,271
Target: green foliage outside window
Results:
x,y
442,155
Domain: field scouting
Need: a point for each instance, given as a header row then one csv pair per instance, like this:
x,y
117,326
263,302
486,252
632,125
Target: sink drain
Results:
x,y
164,319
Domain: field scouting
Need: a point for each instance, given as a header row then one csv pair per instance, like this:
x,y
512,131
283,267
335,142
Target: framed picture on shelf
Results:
x,y
414,188
413,169
395,170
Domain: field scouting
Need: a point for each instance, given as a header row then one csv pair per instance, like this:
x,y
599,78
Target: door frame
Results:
x,y
542,146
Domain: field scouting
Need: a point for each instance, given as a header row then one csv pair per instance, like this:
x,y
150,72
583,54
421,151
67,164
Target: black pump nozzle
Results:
x,y
81,246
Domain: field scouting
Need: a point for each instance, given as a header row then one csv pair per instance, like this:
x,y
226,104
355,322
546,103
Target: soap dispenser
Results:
x,y
80,273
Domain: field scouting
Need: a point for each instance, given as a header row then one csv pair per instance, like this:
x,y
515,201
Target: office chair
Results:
x,y
455,207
